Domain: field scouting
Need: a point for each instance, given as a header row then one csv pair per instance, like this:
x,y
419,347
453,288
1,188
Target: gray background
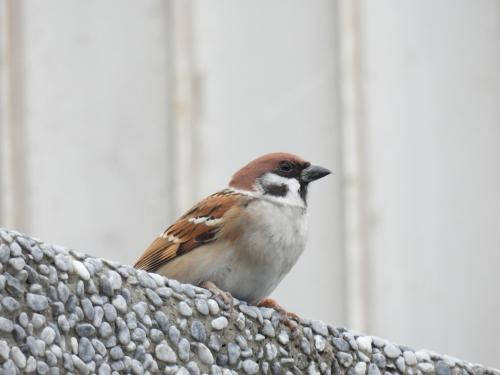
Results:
x,y
116,116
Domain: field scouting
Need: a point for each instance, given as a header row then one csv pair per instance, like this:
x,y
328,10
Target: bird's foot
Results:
x,y
290,319
226,297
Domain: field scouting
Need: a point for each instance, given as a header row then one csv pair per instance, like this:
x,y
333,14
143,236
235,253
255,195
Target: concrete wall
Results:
x,y
117,116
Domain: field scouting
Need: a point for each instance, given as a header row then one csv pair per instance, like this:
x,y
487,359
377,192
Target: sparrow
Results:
x,y
242,240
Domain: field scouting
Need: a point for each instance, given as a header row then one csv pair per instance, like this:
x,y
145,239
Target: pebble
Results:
x,y
165,353
48,335
201,306
10,304
373,369
120,304
426,367
319,343
18,357
205,355
4,350
319,327
6,325
213,306
184,309
250,367
37,302
283,338
86,350
81,270
365,343
198,331
234,352
184,348
17,263
391,350
219,323
410,358
360,368
268,329
345,359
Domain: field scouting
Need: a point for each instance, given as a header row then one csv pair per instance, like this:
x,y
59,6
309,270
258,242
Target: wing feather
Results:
x,y
199,226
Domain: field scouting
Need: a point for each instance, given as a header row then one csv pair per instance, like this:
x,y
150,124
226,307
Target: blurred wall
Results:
x,y
116,116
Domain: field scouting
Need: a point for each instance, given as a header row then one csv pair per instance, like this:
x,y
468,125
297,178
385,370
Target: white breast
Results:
x,y
274,237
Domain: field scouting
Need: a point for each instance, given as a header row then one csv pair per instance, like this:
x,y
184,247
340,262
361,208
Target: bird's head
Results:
x,y
278,176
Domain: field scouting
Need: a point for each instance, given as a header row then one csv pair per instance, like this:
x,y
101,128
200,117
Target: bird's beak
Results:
x,y
313,173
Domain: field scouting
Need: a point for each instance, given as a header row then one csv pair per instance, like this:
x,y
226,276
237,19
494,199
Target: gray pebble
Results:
x,y
360,368
319,327
410,358
250,367
205,355
198,331
391,350
340,344
48,335
86,350
115,279
379,360
442,368
174,334
4,350
184,349
201,306
184,309
164,292
110,313
283,338
165,353
120,304
156,335
81,270
6,325
426,367
345,359
373,369
213,306
4,253
80,365
17,263
319,343
193,368
37,302
214,342
153,297
10,304
62,262
30,364
219,323
116,353
233,352
271,351
18,357
240,321
85,330
365,343
268,329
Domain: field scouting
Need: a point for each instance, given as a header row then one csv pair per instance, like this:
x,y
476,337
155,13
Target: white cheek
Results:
x,y
292,197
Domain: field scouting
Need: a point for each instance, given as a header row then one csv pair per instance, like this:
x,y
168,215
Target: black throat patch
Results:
x,y
276,190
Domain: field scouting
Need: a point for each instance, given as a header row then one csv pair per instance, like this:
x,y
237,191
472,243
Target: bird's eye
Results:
x,y
285,166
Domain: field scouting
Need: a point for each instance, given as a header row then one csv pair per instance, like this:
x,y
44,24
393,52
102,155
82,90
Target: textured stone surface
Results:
x,y
64,312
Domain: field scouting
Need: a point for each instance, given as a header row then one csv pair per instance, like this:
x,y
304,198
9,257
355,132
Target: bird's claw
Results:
x,y
289,319
226,297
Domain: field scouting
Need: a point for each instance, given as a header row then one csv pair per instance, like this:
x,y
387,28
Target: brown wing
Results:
x,y
198,226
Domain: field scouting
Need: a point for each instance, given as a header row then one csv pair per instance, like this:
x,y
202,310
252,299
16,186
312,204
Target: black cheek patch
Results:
x,y
276,190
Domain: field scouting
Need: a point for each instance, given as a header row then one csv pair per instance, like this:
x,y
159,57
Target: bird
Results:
x,y
241,241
